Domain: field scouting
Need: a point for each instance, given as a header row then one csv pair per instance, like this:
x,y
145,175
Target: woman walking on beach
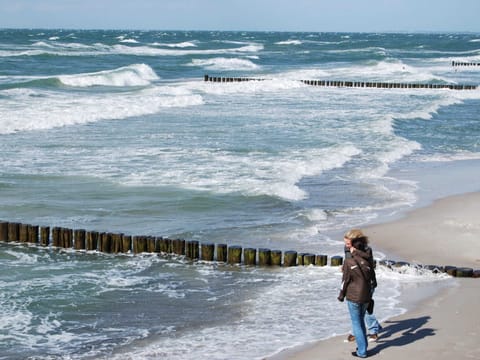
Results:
x,y
373,326
358,275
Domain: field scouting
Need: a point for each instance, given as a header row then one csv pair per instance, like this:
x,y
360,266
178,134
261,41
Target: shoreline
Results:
x,y
438,323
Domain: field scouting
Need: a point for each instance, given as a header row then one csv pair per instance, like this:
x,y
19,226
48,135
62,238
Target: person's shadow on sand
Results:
x,y
403,332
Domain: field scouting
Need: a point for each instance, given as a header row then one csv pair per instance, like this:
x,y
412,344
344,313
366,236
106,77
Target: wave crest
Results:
x,y
222,63
132,75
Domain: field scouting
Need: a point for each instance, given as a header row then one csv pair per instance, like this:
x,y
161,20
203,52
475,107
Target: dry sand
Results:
x,y
443,326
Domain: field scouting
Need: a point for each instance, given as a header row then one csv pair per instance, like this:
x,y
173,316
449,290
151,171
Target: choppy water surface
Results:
x,y
117,131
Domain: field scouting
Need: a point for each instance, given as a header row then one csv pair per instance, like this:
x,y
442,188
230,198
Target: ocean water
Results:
x,y
117,131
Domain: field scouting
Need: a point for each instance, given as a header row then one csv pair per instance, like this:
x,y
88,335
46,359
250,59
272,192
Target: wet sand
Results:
x,y
445,324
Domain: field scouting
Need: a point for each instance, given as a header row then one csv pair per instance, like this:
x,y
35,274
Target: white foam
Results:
x,y
132,75
223,63
253,174
269,322
289,42
183,44
78,49
50,109
129,41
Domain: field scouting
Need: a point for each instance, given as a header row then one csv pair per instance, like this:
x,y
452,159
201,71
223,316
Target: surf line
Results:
x,y
350,84
118,243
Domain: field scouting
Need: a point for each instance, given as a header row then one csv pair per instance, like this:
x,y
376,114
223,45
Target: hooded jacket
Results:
x,y
356,286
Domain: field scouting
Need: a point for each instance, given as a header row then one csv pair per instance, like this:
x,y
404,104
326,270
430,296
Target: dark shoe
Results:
x,y
354,354
372,337
350,338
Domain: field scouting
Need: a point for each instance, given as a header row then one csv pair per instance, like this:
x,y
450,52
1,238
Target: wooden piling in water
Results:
x,y
79,239
264,257
13,231
23,233
139,244
126,243
56,236
222,252
309,259
178,246
105,242
234,255
321,260
192,250
165,245
150,244
91,240
116,243
33,231
250,256
336,261
3,231
290,258
208,251
276,257
44,235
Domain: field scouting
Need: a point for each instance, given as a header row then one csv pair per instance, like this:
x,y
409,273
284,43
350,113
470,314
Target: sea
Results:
x,y
117,131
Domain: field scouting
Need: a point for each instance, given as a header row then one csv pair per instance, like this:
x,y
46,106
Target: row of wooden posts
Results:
x,y
117,243
356,84
464,63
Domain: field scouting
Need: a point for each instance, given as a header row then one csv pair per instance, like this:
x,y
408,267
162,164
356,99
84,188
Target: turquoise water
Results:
x,y
117,131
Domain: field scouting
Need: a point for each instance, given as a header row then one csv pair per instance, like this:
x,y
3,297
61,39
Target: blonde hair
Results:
x,y
356,234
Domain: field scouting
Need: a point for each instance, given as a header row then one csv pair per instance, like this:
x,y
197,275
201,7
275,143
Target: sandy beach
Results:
x,y
445,325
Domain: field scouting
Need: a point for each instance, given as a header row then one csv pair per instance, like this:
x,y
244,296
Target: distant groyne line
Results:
x,y
465,63
350,84
119,243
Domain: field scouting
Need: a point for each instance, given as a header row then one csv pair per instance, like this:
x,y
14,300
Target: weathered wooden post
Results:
x,y
3,231
92,240
56,236
126,243
250,256
33,234
166,245
178,246
336,260
45,235
264,257
276,256
321,260
222,252
290,258
451,270
300,259
13,230
150,244
105,242
208,250
79,239
309,259
234,254
192,250
117,243
464,272
139,244
23,233
67,238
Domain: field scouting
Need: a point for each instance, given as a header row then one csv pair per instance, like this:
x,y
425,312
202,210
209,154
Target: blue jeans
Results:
x,y
357,314
373,326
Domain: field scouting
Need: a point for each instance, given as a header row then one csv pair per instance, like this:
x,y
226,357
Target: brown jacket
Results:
x,y
356,287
